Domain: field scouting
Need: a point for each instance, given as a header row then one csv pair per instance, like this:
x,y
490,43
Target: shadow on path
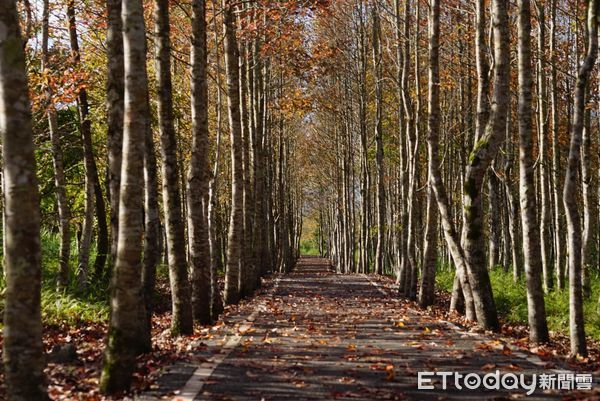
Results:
x,y
324,336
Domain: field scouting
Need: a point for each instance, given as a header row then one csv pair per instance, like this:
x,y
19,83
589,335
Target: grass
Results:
x,y
309,247
511,301
68,306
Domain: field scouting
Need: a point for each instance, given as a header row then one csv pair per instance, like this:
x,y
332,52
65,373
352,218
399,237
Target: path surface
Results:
x,y
317,335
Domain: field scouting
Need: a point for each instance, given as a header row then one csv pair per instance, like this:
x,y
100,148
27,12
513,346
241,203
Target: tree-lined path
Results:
x,y
318,335
165,164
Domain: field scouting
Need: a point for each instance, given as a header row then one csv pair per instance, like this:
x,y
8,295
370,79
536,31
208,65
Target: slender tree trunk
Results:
x,y
427,291
126,322
576,321
93,198
380,186
198,174
559,254
512,203
247,279
235,236
481,156
62,202
545,216
23,351
114,112
494,219
216,302
590,207
538,328
182,320
152,230
483,81
364,167
408,120
410,284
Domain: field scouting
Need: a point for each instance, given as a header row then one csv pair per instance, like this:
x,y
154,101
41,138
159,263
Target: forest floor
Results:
x,y
317,335
308,335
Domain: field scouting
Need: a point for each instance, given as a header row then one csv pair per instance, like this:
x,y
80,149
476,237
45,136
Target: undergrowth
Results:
x,y
511,301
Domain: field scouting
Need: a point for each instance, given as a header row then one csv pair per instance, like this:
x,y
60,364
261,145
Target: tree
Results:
x,y
538,328
152,232
182,320
427,291
576,324
543,141
380,186
93,192
484,150
23,351
198,173
234,247
126,322
62,202
115,93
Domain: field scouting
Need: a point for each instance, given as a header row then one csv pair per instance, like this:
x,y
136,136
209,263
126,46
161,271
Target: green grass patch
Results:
x,y
309,247
68,306
511,301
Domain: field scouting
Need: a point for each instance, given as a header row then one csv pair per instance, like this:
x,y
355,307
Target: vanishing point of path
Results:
x,y
317,335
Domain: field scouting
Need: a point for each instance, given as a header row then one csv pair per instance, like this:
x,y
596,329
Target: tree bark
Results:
x,y
182,320
576,321
152,230
235,236
480,159
23,351
93,192
126,322
380,185
62,201
538,328
198,173
427,290
545,216
559,254
114,115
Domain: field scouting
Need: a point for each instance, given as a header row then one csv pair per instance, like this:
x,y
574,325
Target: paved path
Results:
x,y
317,335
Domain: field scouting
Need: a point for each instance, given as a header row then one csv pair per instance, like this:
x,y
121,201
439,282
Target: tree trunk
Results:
x,y
93,191
545,216
182,320
427,291
589,247
23,351
380,186
152,232
126,321
198,175
576,321
538,328
559,254
247,274
235,236
62,201
481,156
114,115
216,260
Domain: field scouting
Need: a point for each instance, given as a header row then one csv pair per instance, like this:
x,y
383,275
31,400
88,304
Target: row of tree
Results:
x,y
470,143
101,99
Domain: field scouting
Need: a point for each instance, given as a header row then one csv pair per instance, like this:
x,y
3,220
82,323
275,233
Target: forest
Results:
x,y
169,165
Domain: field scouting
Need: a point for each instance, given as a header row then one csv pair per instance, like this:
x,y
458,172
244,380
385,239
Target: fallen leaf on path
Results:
x,y
390,372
